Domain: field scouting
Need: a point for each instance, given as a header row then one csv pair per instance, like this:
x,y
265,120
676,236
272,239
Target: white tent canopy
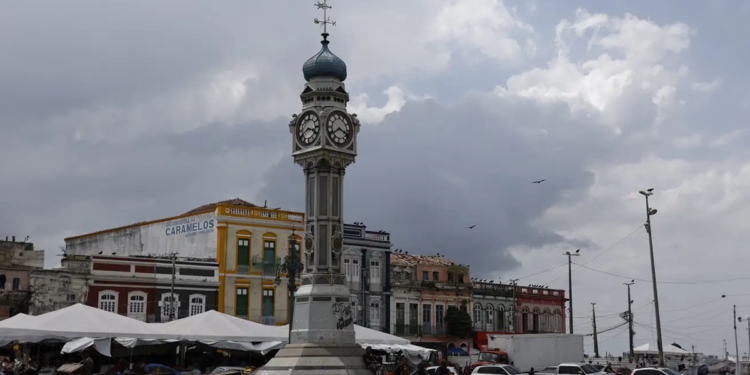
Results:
x,y
213,325
653,349
74,322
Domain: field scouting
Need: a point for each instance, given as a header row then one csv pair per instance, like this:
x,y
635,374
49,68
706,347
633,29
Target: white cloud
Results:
x,y
373,115
632,58
707,86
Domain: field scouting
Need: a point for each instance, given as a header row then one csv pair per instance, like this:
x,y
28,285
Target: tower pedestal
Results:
x,y
313,359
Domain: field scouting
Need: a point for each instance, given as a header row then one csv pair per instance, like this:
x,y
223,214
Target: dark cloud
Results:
x,y
428,172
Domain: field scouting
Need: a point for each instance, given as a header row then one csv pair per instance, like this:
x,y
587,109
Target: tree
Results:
x,y
458,323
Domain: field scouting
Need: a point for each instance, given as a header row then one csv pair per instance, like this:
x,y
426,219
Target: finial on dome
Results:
x,y
324,63
326,20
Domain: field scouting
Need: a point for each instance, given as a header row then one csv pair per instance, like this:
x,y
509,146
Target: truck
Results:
x,y
538,350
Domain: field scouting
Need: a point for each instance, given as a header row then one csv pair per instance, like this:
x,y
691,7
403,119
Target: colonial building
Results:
x,y
493,307
17,260
366,261
423,288
141,287
541,310
247,242
20,253
58,288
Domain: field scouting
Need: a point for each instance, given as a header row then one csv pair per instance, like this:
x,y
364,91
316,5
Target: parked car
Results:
x,y
577,369
497,369
623,371
654,371
548,370
236,370
432,369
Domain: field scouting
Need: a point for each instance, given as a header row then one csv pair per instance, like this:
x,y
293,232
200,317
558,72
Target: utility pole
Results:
x,y
171,295
738,368
596,341
726,353
630,321
651,212
513,283
570,287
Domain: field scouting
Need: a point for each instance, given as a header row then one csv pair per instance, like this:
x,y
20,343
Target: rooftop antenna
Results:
x,y
326,20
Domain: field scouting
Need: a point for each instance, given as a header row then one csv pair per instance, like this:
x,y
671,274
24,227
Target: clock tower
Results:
x,y
324,144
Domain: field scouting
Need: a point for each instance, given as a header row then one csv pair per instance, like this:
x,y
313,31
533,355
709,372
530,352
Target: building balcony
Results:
x,y
268,320
407,329
433,330
497,290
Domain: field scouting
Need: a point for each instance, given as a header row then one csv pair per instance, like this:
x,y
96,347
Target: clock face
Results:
x,y
308,128
339,128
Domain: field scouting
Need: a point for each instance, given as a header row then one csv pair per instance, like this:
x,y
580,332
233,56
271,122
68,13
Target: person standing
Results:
x,y
443,369
88,364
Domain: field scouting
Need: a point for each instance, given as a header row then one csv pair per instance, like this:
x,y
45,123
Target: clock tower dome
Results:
x,y
324,144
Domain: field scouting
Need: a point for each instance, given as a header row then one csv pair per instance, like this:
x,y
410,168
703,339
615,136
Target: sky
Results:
x,y
132,111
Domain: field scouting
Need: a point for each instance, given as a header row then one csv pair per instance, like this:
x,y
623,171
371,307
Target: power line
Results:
x,y
602,253
541,272
666,282
679,335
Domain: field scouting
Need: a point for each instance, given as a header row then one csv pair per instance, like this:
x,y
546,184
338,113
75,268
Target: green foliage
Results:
x,y
457,270
458,323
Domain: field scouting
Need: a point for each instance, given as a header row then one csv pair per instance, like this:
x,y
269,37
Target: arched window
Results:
x,y
535,322
557,319
108,301
545,321
489,317
197,304
501,322
525,320
137,306
165,306
477,313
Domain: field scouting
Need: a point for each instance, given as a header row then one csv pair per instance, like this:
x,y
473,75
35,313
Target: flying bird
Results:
x,y
578,251
472,227
538,181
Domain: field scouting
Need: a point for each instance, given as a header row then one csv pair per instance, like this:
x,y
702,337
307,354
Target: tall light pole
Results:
x,y
747,319
514,282
651,212
593,321
570,286
291,266
630,321
737,367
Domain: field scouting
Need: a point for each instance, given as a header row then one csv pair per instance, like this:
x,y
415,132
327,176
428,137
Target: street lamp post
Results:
x,y
570,287
290,266
651,212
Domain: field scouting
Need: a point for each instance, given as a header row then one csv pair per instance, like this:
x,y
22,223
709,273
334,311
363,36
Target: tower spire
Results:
x,y
326,20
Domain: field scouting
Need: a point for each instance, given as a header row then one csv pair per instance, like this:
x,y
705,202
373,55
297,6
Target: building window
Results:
x,y
440,316
375,315
267,303
501,323
108,301
435,276
16,283
477,313
450,277
425,276
355,270
137,306
525,320
347,268
166,306
426,318
197,304
375,272
241,304
70,297
243,255
557,322
2,282
545,321
461,279
535,323
354,309
490,317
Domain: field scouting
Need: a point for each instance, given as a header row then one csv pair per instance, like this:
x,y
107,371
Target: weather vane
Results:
x,y
326,20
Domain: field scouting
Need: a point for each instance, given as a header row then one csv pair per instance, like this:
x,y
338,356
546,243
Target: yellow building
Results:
x,y
248,243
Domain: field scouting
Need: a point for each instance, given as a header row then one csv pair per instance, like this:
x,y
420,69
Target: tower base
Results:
x,y
312,359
